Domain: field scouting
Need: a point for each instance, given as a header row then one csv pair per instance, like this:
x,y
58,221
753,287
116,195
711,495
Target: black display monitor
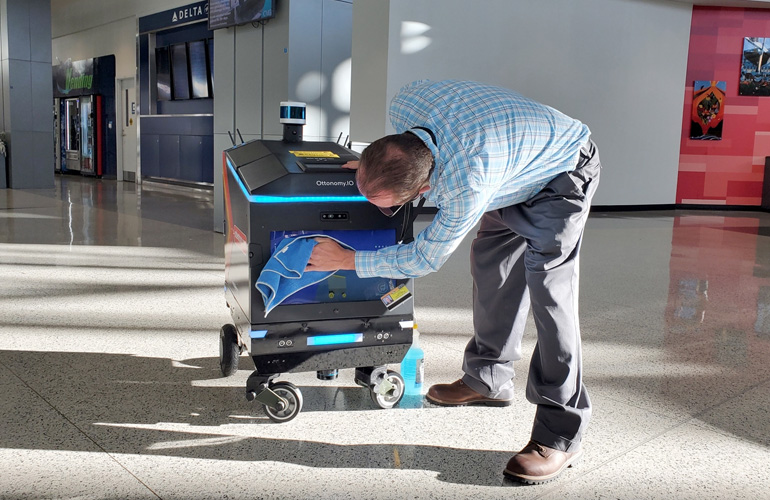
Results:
x,y
163,73
199,78
180,73
226,13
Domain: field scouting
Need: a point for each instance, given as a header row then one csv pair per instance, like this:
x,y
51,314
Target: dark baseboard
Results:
x,y
651,208
677,206
177,182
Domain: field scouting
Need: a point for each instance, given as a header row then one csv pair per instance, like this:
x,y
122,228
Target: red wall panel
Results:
x,y
730,171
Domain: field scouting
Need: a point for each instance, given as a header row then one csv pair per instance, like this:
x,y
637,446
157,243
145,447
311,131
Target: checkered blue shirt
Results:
x,y
495,148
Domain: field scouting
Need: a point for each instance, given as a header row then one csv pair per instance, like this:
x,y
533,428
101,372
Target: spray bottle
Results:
x,y
412,367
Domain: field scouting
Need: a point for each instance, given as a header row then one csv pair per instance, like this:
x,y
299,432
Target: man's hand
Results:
x,y
328,255
352,165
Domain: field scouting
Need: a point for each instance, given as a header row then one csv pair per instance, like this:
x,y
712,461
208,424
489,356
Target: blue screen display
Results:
x,y
343,286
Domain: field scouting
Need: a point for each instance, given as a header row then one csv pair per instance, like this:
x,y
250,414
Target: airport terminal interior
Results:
x,y
109,365
128,260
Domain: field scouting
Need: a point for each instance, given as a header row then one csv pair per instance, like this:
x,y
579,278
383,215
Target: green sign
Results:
x,y
77,82
77,76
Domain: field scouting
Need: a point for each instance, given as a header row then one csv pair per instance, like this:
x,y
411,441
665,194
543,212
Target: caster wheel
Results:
x,y
293,397
229,350
390,392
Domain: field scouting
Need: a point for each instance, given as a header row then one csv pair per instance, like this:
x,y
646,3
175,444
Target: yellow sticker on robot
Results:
x,y
314,154
396,297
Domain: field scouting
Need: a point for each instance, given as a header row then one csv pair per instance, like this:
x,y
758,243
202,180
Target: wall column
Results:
x,y
26,109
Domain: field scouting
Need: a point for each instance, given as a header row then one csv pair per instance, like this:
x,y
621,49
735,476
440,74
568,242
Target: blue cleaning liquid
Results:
x,y
412,368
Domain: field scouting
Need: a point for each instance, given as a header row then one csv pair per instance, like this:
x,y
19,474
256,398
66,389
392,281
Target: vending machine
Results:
x,y
82,135
84,110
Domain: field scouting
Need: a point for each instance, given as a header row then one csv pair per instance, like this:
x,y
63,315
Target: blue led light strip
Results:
x,y
258,334
338,338
254,198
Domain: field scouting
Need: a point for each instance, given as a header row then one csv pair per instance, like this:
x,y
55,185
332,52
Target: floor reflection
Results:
x,y
719,290
718,317
88,211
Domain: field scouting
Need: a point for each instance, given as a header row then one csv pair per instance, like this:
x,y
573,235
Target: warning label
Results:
x,y
314,154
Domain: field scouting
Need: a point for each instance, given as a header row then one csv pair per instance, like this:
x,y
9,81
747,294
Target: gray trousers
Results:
x,y
526,256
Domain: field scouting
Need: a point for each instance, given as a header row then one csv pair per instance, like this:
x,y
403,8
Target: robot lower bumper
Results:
x,y
368,347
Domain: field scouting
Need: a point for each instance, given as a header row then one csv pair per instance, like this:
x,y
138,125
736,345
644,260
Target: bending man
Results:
x,y
526,173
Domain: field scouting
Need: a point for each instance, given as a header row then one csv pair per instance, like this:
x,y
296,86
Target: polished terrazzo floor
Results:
x,y
110,307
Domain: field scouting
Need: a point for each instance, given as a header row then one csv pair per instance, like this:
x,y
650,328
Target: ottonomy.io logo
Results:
x,y
335,183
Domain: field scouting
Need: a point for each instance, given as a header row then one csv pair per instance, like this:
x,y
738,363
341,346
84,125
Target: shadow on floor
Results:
x,y
125,404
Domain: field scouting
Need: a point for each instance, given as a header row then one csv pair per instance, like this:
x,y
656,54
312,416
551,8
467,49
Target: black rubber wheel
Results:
x,y
293,397
394,391
229,350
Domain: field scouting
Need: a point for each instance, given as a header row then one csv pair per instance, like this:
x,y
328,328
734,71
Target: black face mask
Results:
x,y
391,211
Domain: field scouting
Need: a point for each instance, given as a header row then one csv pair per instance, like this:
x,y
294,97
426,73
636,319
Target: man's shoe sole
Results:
x,y
481,402
522,478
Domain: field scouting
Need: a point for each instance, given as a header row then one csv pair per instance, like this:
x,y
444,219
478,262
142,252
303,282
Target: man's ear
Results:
x,y
424,189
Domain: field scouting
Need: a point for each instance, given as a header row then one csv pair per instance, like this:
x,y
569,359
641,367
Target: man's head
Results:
x,y
394,170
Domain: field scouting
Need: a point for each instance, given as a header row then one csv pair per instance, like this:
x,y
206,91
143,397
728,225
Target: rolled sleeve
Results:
x,y
431,247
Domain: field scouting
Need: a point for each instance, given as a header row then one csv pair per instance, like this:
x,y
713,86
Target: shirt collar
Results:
x,y
428,137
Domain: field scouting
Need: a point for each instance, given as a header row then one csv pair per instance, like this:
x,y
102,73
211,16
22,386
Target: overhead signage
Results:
x,y
194,12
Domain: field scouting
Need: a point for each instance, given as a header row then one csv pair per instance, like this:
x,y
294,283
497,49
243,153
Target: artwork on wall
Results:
x,y
755,67
708,110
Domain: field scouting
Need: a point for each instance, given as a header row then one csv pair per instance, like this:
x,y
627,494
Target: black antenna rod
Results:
x,y
231,137
239,135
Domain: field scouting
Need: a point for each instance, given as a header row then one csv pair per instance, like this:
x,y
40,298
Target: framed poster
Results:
x,y
755,67
708,110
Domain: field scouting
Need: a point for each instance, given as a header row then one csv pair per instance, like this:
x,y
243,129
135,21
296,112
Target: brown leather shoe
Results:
x,y
537,464
459,394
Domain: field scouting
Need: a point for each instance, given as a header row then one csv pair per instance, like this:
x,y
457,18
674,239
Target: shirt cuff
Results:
x,y
365,264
